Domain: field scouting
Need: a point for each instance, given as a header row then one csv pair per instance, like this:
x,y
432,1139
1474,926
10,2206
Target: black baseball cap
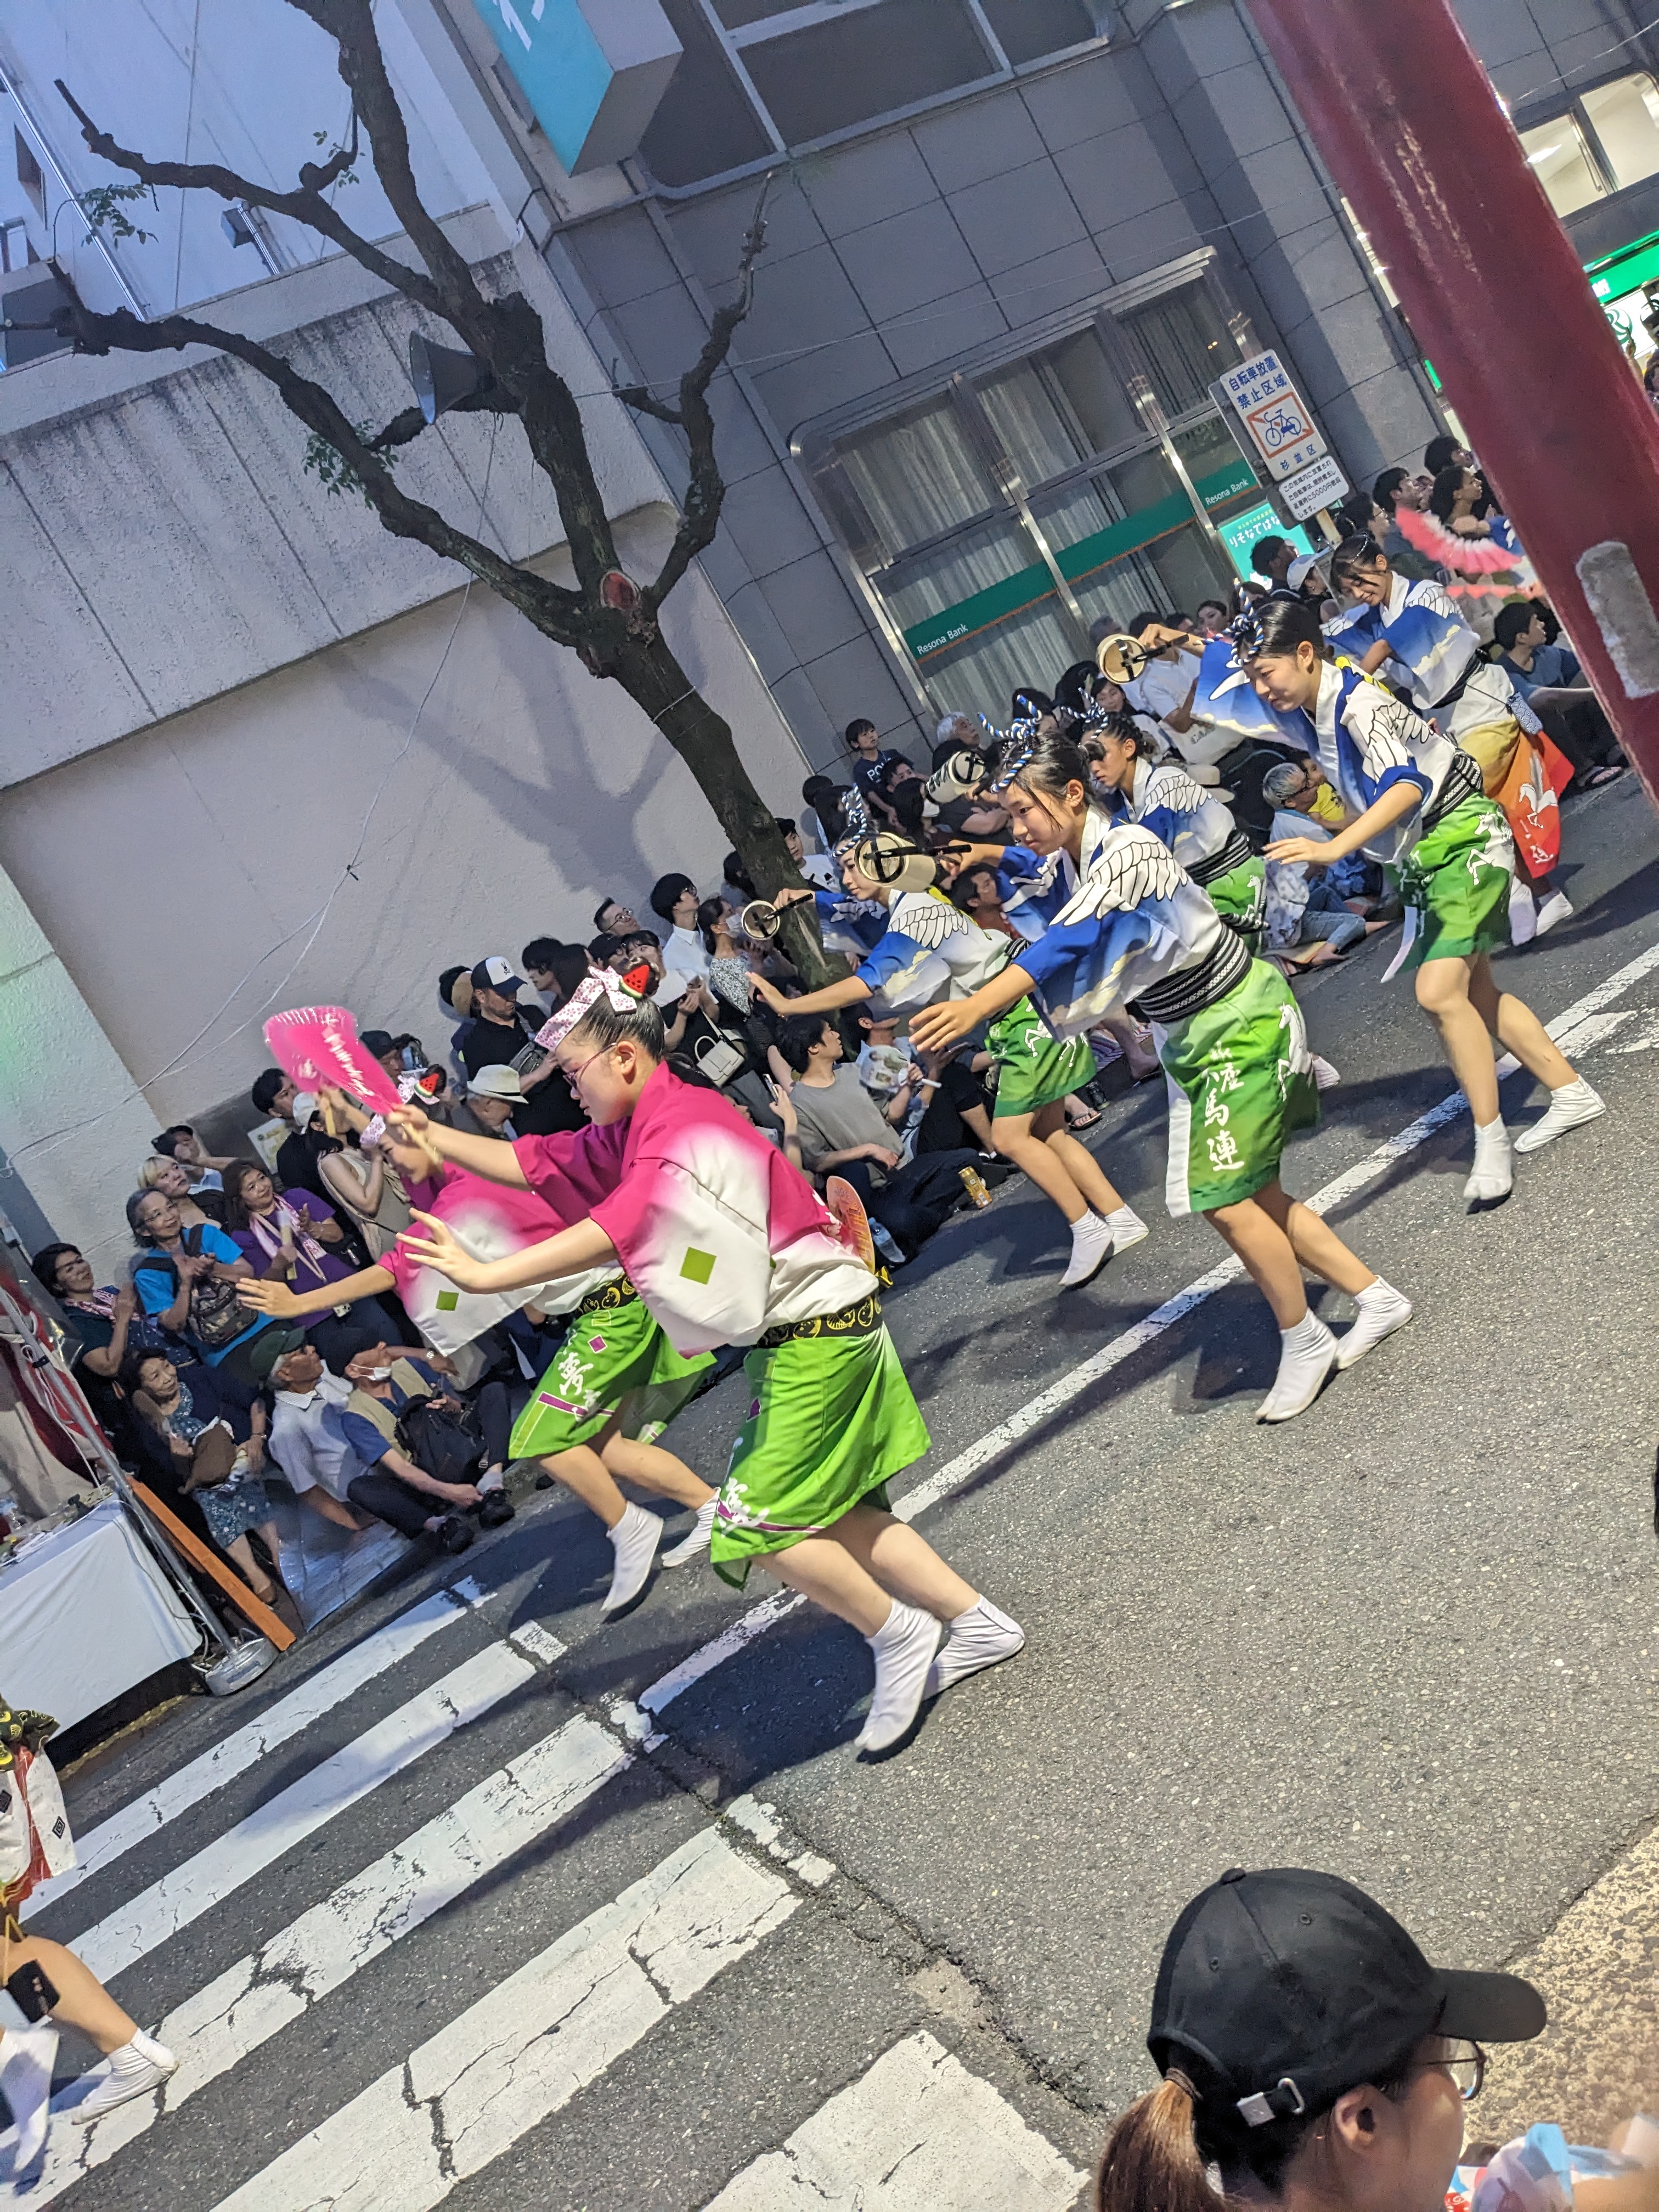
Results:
x,y
1280,1989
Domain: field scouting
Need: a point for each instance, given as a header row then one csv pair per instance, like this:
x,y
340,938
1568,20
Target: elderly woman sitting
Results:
x,y
285,1237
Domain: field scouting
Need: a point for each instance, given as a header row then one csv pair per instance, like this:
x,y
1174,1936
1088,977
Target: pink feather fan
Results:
x,y
1471,556
317,1045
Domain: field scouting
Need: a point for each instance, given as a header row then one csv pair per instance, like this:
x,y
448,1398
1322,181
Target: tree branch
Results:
x,y
700,511
561,615
306,205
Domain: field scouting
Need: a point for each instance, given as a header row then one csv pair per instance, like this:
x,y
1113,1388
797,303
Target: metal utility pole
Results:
x,y
1411,128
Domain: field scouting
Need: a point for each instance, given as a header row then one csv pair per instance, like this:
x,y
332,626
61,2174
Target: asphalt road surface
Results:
x,y
455,1905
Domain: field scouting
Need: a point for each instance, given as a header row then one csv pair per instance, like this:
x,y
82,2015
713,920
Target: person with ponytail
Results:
x,y
1412,635
1138,784
1415,802
1314,2060
934,950
1125,924
727,1244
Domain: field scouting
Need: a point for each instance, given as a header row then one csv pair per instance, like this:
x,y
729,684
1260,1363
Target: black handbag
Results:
x,y
442,1443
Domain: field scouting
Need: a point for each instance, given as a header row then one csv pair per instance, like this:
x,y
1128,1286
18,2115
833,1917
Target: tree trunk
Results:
x,y
648,671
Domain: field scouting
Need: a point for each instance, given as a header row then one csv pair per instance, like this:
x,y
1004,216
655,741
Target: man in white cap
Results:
x,y
494,1097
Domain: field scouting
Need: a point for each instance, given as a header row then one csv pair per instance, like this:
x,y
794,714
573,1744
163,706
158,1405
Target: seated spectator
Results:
x,y
568,966
612,919
978,891
213,1424
1305,806
1394,488
950,1110
959,733
284,1237
674,901
842,1130
187,1282
382,1046
825,820
891,788
537,961
687,1007
110,1323
1552,681
729,958
503,1035
1311,2057
455,996
362,1184
274,1094
172,1178
494,1097
182,1143
1214,616
310,1448
394,1487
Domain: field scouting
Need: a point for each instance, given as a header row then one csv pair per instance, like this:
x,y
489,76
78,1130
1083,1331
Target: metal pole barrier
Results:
x,y
1412,131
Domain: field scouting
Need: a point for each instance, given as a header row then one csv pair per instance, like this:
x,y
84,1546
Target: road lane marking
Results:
x,y
524,2050
917,2133
1576,1020
221,1867
279,1724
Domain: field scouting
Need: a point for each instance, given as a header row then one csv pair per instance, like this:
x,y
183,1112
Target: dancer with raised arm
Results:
x,y
931,950
1128,924
1415,801
616,1381
727,1244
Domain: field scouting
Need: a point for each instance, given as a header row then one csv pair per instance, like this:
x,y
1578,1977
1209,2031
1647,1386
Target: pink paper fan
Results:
x,y
317,1045
1475,557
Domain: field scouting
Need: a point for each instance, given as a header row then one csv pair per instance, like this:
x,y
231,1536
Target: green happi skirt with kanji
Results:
x,y
1240,1081
615,1364
1239,896
832,1419
1456,883
1034,1068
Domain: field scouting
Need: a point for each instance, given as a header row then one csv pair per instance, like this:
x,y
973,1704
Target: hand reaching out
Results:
x,y
439,1248
268,1297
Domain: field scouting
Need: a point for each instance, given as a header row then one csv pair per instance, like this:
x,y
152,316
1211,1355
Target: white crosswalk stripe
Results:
x,y
289,1716
325,1791
917,2133
518,2054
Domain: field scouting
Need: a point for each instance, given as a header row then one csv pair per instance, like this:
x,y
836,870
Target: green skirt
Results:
x,y
1033,1067
615,1364
1240,897
1240,1080
1456,883
832,1417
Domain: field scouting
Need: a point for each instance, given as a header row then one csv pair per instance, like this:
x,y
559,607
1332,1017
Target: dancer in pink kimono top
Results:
x,y
727,1244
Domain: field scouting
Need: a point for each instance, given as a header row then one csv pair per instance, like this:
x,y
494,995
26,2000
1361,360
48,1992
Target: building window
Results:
x,y
1608,138
995,519
29,176
762,75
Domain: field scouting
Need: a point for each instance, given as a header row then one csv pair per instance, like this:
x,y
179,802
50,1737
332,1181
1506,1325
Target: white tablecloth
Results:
x,y
86,1613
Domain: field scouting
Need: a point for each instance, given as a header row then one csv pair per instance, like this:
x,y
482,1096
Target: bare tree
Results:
x,y
610,622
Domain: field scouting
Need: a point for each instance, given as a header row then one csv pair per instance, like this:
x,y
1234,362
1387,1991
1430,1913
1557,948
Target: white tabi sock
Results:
x,y
1381,1310
1307,1355
1126,1227
1569,1106
1091,1248
1493,1174
982,1637
904,1646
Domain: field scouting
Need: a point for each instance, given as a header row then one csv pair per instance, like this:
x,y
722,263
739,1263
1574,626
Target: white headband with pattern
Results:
x,y
599,983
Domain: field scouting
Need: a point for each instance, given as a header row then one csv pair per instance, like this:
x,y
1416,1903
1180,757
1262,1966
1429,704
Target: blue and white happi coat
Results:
x,y
1368,741
1227,699
1195,825
931,950
1431,649
1124,922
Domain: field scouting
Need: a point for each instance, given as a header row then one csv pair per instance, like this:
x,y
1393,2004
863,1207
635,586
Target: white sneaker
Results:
x,y
1380,1310
634,1540
1574,1104
1523,914
1556,907
1128,1228
1324,1075
135,2070
690,1546
27,2057
1091,1248
1493,1175
904,1646
982,1636
1308,1356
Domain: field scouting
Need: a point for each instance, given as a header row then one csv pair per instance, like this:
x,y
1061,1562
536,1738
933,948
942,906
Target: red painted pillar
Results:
x,y
1410,126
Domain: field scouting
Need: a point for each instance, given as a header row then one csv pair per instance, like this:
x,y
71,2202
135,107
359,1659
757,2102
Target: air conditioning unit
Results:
x,y
32,295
